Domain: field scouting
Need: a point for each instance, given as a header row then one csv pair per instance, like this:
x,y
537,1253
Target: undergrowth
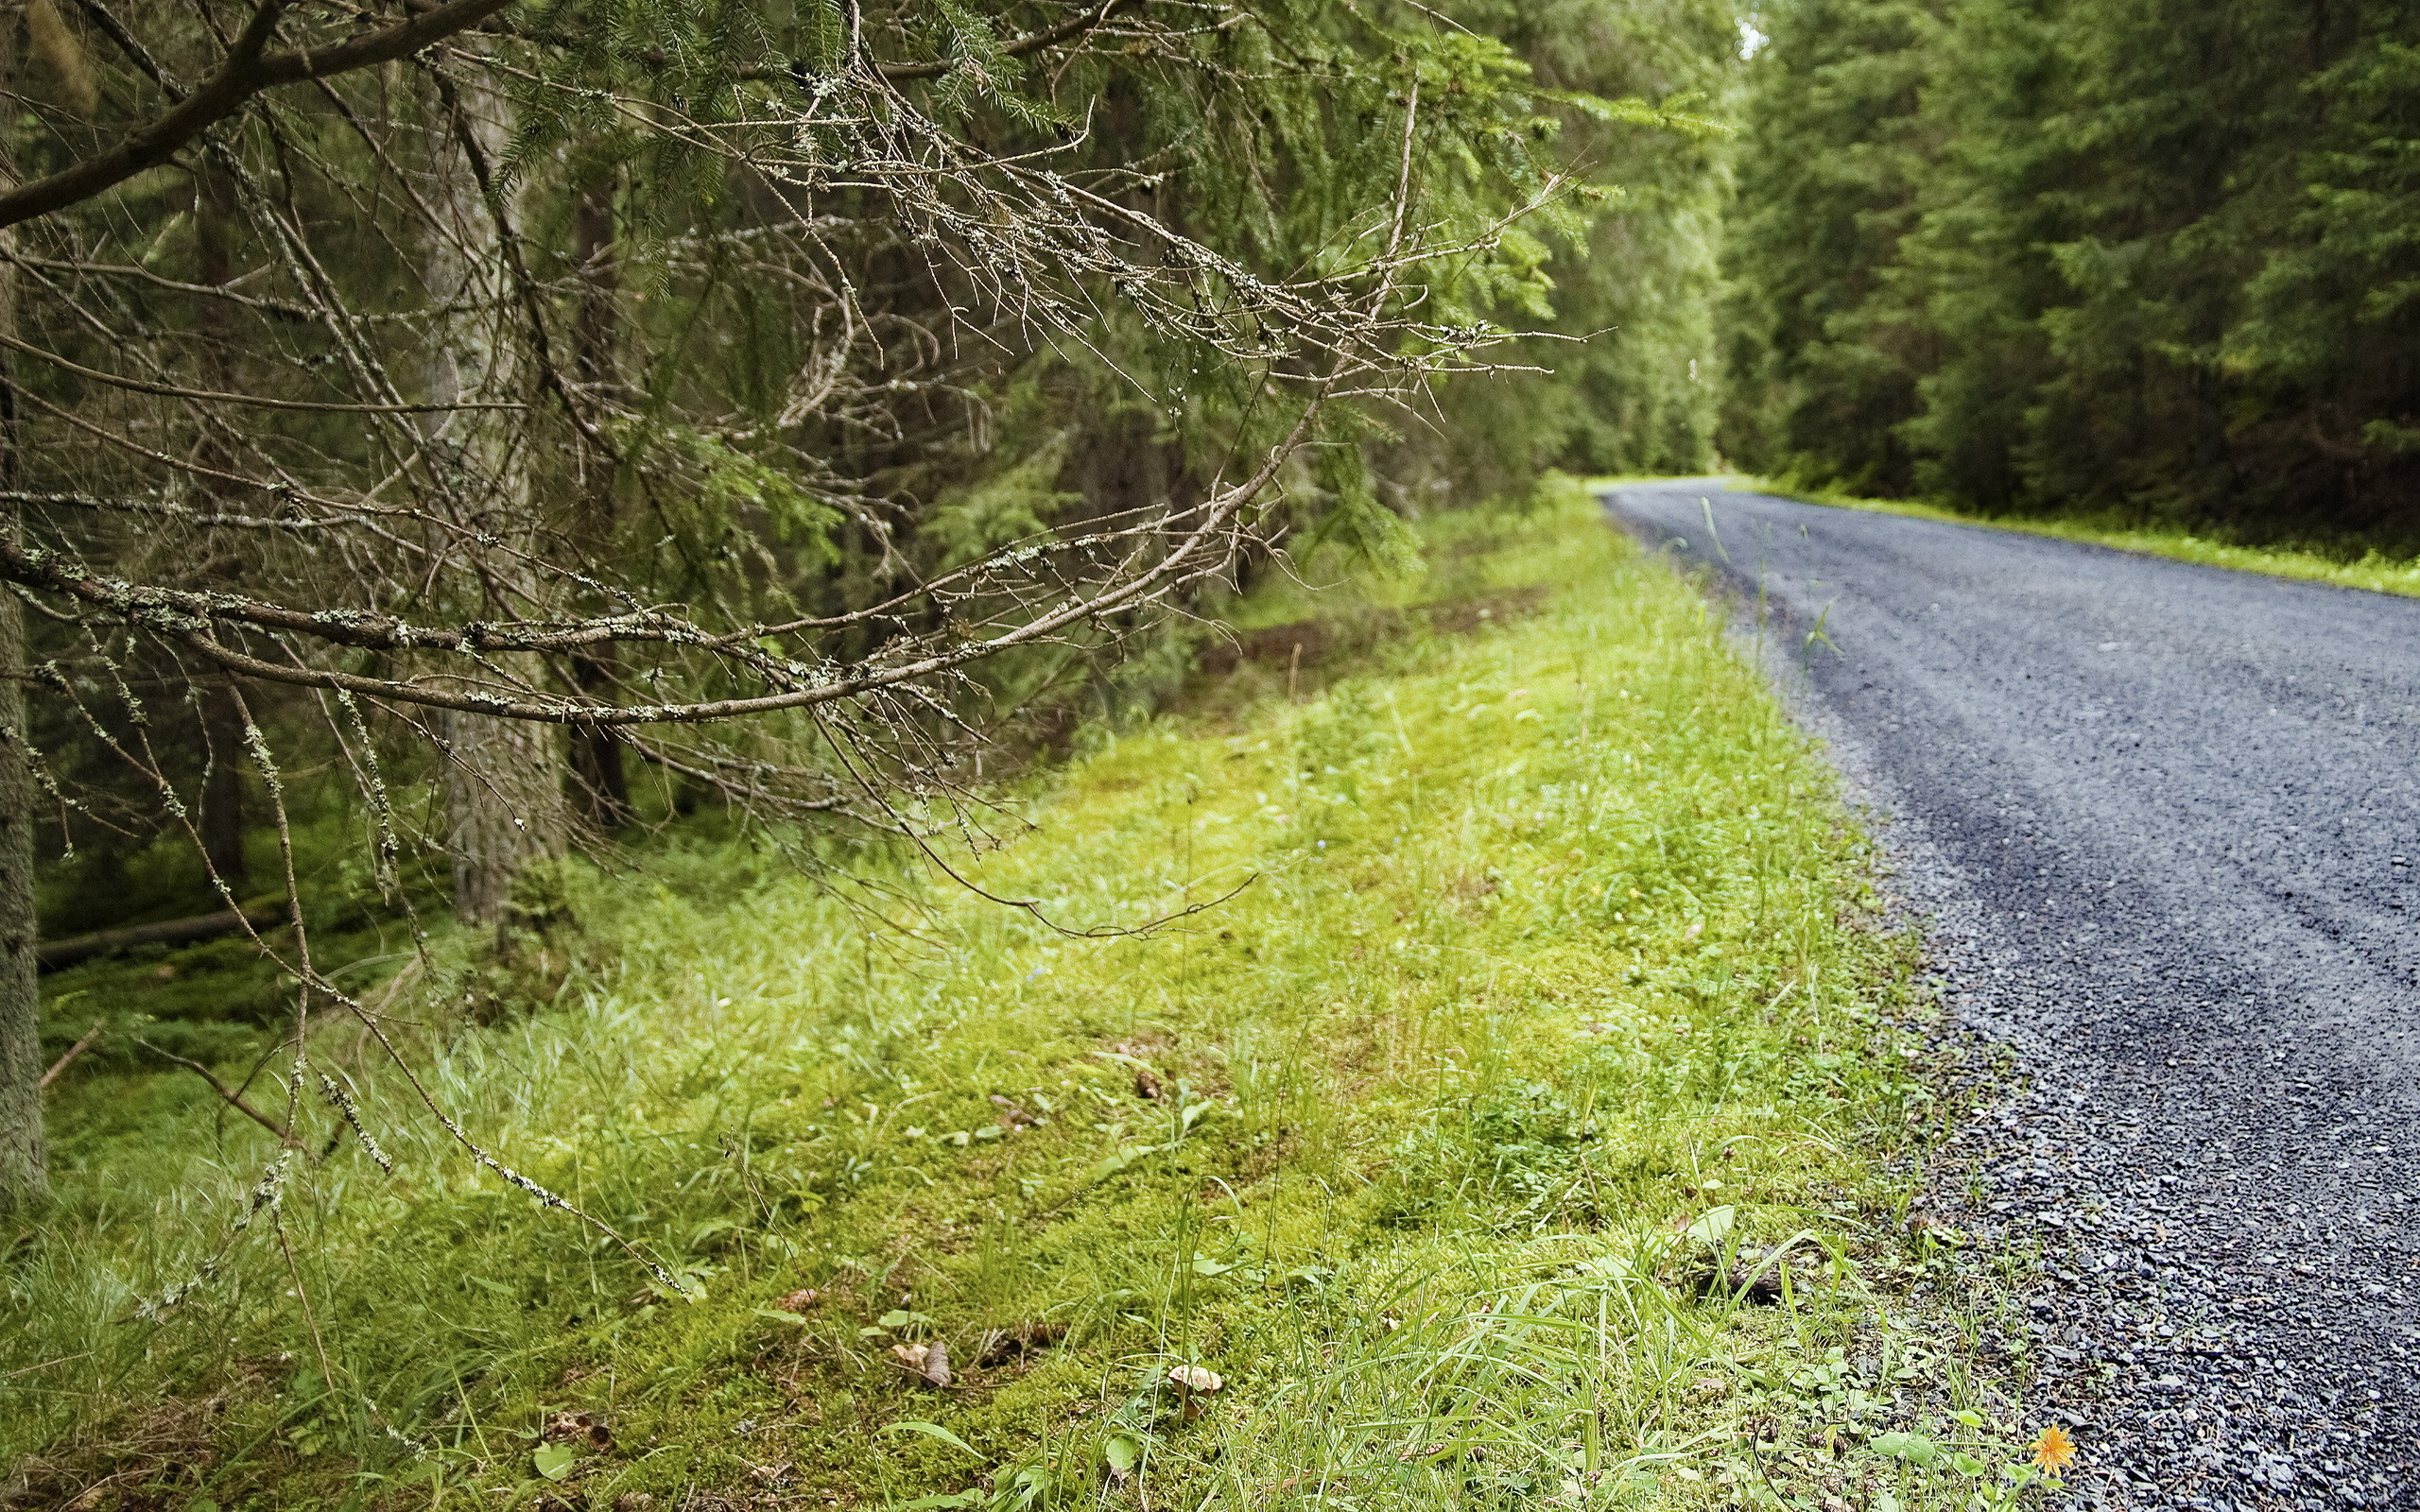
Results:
x,y
2372,569
1534,1124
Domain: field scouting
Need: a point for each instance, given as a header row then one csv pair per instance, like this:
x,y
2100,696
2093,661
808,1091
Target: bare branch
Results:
x,y
232,1098
249,70
59,1066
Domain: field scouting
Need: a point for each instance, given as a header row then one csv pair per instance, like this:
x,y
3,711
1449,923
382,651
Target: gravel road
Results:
x,y
2166,821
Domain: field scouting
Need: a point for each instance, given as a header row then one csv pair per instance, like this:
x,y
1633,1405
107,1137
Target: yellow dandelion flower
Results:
x,y
2055,1451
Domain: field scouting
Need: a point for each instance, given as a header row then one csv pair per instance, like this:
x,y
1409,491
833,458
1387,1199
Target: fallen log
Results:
x,y
52,954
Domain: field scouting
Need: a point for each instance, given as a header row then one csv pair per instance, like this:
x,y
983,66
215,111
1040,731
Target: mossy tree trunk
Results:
x,y
504,798
23,1160
216,226
601,785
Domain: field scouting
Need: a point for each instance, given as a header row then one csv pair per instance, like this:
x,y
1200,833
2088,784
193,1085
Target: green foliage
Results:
x,y
2122,256
1552,946
1819,377
1015,504
750,384
1631,382
2340,310
737,503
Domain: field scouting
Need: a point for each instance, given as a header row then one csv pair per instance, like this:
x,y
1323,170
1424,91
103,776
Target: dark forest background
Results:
x,y
2140,257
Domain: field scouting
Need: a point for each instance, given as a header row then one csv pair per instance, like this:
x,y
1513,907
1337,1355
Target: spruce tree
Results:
x,y
1820,370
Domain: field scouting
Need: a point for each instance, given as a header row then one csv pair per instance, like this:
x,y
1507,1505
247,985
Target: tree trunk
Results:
x,y
221,819
504,799
24,1160
222,791
599,784
504,808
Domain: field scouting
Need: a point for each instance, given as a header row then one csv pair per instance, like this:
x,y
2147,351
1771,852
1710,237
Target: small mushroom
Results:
x,y
1193,1382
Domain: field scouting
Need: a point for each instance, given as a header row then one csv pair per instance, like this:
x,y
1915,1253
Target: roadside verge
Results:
x,y
2373,571
1537,1123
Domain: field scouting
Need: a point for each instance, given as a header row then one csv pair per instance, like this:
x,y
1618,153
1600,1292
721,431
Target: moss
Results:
x,y
1529,969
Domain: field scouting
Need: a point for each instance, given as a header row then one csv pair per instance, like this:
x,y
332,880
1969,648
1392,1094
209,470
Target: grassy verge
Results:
x,y
2374,571
1535,1126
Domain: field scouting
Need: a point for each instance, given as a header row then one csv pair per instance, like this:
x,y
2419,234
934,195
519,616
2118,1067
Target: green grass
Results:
x,y
1554,990
2372,569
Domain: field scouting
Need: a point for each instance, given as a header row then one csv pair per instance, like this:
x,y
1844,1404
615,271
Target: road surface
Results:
x,y
2166,820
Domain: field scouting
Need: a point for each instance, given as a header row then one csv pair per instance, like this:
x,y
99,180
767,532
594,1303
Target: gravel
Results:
x,y
2165,822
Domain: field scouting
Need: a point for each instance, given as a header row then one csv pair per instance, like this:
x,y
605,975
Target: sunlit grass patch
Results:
x,y
1534,1124
2372,569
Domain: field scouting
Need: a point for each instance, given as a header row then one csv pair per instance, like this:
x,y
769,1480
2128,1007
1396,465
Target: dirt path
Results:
x,y
2167,818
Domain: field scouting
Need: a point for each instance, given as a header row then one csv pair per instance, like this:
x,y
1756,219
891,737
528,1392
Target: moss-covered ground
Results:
x,y
1529,1121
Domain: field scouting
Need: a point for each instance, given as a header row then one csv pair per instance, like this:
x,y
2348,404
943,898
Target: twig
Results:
x,y
285,1135
72,1051
303,1294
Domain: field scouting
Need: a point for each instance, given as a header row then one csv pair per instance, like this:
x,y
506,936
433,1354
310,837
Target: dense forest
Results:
x,y
527,426
509,430
493,491
545,421
2136,256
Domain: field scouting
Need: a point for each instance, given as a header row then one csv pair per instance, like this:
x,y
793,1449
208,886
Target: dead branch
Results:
x,y
249,70
234,1100
58,1066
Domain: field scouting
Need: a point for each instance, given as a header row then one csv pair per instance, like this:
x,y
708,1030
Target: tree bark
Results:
x,y
599,783
505,810
221,819
25,1163
24,1160
504,798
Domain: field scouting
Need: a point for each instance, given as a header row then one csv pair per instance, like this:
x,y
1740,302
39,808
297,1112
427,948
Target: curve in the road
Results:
x,y
2167,817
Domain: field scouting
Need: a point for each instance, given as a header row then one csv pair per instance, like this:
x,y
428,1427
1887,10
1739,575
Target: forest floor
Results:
x,y
2165,822
1535,1119
2371,570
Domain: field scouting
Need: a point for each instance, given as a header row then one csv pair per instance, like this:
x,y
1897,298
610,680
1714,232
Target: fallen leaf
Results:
x,y
929,1363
